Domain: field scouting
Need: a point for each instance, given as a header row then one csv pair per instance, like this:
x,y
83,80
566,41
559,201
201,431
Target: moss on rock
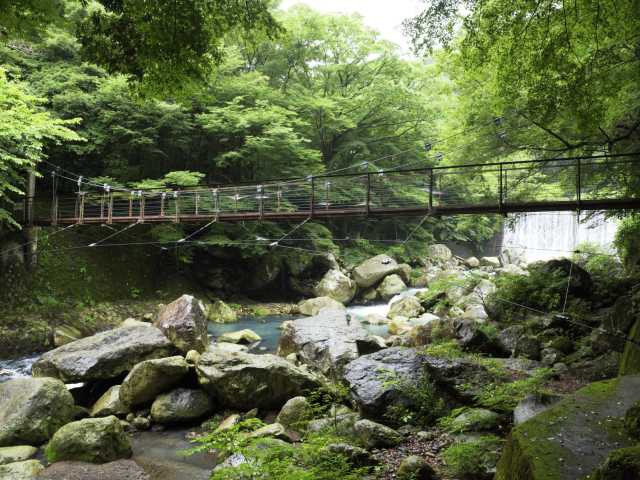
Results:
x,y
630,362
573,437
622,464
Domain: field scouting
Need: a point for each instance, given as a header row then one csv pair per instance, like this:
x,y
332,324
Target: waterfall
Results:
x,y
541,236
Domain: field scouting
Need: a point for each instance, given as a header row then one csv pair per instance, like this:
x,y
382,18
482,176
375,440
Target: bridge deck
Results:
x,y
580,183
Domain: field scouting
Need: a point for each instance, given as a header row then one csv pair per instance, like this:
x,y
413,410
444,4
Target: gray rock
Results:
x,y
104,355
93,440
336,285
473,339
326,342
472,262
528,347
314,306
508,338
26,470
409,307
181,405
274,430
141,423
438,253
118,470
414,467
342,424
295,414
371,271
375,435
244,381
184,322
391,286
16,454
532,405
32,409
493,262
369,386
109,404
150,378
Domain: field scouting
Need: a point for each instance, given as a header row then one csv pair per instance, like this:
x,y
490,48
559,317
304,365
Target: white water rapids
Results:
x,y
541,236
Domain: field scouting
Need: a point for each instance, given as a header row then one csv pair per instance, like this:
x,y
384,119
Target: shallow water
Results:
x,y
159,453
19,367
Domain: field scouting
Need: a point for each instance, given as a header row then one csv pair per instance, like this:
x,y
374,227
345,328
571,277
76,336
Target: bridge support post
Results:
x,y
579,183
368,193
110,209
431,183
313,196
501,198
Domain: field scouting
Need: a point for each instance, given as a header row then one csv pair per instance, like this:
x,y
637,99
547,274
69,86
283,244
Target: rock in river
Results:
x,y
313,306
32,409
184,322
180,405
149,378
327,341
336,285
26,470
245,381
371,271
94,440
104,355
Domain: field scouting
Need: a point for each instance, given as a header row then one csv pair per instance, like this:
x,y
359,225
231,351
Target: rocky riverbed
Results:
x,y
392,371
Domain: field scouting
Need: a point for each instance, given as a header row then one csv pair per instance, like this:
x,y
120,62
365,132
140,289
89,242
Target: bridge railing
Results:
x,y
495,187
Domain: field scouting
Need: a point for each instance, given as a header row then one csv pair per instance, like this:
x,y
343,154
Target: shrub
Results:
x,y
627,242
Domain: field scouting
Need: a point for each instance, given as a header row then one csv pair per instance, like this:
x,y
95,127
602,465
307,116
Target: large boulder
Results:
x,y
93,440
391,286
408,307
105,355
367,378
438,253
245,336
375,435
184,322
295,414
327,341
220,312
336,285
371,271
376,380
109,404
118,470
32,409
26,470
314,306
149,378
573,437
245,381
181,405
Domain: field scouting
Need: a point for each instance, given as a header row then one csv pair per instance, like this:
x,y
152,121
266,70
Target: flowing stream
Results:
x,y
542,236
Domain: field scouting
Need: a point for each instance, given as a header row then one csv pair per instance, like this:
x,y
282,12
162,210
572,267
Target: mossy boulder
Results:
x,y
573,437
180,406
26,470
414,467
375,435
632,420
621,464
150,378
474,420
295,414
109,404
314,306
408,307
391,286
16,454
220,312
336,285
93,440
32,409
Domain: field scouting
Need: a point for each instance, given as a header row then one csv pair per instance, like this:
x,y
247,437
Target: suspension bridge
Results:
x,y
577,183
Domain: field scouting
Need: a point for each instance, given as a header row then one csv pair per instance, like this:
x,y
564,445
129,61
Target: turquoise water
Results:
x,y
267,327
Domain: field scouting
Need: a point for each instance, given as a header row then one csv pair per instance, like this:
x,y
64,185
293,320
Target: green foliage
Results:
x,y
326,398
473,458
627,242
605,269
273,460
422,406
541,290
504,397
26,130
